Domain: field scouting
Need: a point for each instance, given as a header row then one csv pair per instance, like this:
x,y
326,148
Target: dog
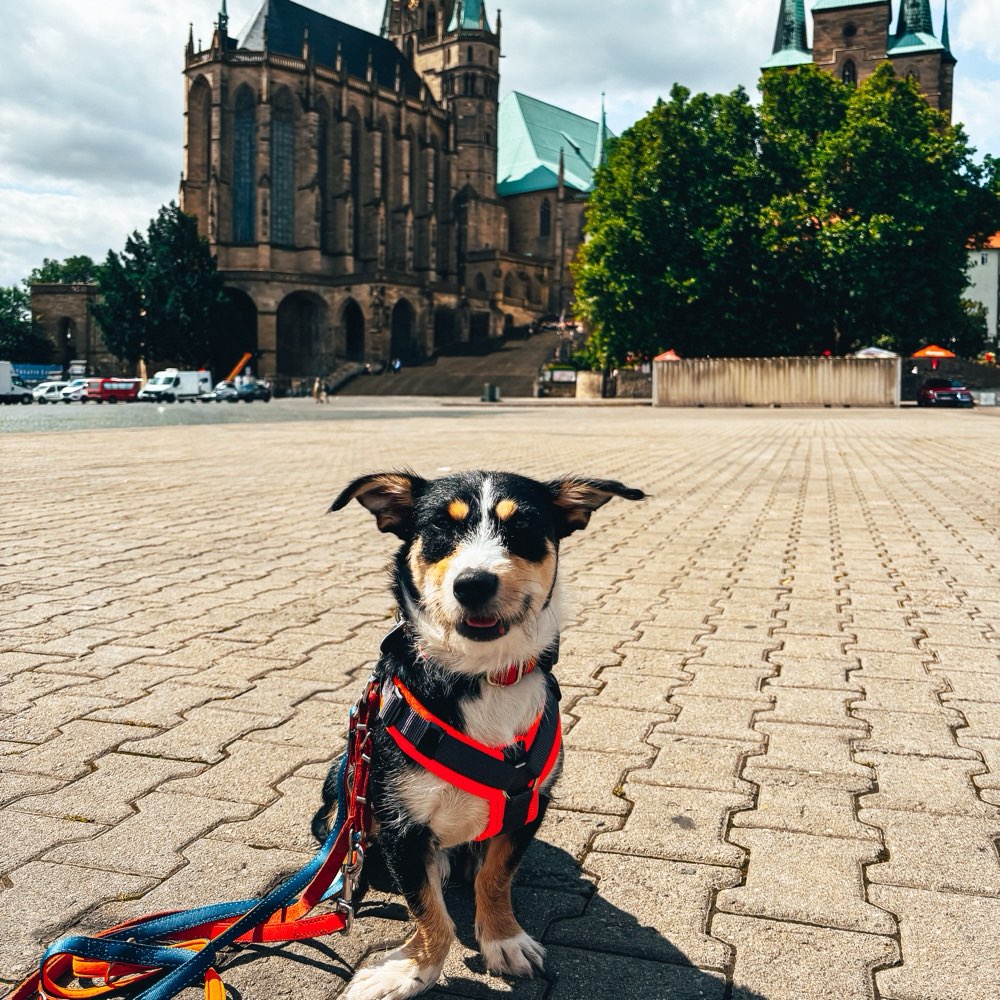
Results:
x,y
467,747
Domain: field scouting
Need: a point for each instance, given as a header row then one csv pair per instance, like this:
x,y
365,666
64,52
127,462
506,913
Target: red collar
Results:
x,y
511,674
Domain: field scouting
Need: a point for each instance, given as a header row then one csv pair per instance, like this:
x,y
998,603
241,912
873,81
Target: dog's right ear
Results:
x,y
389,496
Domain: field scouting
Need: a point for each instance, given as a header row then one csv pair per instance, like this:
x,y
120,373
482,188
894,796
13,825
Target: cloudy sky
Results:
x,y
91,95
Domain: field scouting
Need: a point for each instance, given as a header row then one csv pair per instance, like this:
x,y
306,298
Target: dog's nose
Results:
x,y
474,588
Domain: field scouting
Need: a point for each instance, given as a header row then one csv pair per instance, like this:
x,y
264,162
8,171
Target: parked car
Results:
x,y
48,392
223,391
942,391
250,391
75,390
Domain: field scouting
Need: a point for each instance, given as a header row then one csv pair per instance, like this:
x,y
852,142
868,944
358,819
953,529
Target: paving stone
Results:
x,y
721,718
42,722
627,914
644,663
971,687
791,961
28,686
950,945
283,824
812,706
24,836
963,858
70,754
15,786
50,899
939,785
612,730
164,706
591,781
621,690
895,695
203,735
695,762
715,681
820,804
830,675
909,732
904,666
805,879
150,842
632,977
736,654
679,824
107,794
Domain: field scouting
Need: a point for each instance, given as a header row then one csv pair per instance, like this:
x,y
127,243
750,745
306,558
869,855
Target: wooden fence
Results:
x,y
777,382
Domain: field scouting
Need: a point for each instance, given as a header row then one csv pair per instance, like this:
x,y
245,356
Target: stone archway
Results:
x,y
402,343
354,331
304,347
236,333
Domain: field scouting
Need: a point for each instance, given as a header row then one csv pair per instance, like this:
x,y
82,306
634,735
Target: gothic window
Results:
x,y
378,163
508,288
480,283
849,74
468,54
282,171
199,132
469,85
244,152
545,219
430,173
488,87
431,26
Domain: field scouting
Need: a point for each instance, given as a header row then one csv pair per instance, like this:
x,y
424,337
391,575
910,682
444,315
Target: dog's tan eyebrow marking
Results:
x,y
458,510
506,509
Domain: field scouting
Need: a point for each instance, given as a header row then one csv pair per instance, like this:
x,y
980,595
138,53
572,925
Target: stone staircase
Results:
x,y
511,366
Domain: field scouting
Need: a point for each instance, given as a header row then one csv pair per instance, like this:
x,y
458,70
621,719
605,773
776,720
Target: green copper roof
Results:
x,y
791,33
469,16
913,42
914,18
788,57
530,136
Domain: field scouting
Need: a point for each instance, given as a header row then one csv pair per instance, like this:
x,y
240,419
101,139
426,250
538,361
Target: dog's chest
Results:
x,y
496,717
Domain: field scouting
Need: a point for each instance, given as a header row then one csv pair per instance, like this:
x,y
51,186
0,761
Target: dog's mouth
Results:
x,y
482,628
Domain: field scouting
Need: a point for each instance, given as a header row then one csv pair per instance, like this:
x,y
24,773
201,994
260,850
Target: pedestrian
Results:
x,y
396,365
318,393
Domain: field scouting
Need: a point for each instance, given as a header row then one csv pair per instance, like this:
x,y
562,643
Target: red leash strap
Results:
x,y
63,975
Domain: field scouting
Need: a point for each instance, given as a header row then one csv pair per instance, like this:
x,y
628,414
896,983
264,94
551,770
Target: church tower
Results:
x,y
851,37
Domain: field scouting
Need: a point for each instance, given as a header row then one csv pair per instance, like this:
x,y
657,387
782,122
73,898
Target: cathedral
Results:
x,y
369,197
851,37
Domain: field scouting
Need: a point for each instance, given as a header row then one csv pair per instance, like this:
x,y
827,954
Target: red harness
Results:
x,y
508,778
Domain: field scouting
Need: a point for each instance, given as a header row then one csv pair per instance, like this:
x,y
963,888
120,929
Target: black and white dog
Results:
x,y
467,746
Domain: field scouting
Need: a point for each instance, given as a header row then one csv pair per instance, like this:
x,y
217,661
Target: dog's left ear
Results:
x,y
389,496
576,499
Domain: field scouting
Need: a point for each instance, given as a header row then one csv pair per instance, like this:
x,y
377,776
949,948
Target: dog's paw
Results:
x,y
516,956
396,977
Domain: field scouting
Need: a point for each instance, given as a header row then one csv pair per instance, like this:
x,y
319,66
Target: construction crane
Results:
x,y
239,364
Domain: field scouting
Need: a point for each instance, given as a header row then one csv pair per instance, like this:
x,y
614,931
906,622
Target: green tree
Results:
x,y
671,246
161,296
80,269
18,341
831,217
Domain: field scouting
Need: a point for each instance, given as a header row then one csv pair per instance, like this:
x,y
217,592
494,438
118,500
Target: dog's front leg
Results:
x,y
414,861
506,947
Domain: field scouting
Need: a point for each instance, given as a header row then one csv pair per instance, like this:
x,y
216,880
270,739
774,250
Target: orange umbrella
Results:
x,y
670,355
932,351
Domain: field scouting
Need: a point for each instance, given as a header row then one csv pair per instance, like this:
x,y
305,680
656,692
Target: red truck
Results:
x,y
113,390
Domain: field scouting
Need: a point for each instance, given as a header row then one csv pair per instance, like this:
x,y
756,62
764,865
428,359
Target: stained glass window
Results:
x,y
243,167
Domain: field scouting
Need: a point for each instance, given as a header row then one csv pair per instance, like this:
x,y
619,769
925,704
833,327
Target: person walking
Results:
x,y
318,394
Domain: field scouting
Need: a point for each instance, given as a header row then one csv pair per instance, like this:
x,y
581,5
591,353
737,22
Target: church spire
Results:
x,y
600,154
945,39
223,21
791,31
915,18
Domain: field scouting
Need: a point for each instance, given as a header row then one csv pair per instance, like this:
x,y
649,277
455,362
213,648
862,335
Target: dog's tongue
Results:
x,y
482,622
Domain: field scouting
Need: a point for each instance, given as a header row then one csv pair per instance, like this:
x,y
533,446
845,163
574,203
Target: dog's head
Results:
x,y
476,575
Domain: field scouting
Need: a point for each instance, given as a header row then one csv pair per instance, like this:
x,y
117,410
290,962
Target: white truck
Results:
x,y
173,385
12,389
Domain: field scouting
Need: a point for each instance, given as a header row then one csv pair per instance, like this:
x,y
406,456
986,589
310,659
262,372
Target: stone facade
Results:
x,y
62,313
851,38
347,184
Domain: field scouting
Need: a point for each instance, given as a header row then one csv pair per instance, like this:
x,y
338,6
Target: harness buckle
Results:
x,y
430,741
515,755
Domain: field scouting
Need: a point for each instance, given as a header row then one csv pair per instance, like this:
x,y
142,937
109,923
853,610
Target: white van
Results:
x,y
172,385
48,392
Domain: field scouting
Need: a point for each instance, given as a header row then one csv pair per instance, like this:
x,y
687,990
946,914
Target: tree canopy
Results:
x,y
79,269
161,295
828,218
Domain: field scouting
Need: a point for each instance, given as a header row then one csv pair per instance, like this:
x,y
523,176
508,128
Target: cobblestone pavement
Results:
x,y
781,693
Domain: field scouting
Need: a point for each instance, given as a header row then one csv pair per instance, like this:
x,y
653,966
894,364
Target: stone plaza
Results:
x,y
780,676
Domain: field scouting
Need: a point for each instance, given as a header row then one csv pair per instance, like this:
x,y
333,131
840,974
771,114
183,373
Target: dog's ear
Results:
x,y
576,499
389,496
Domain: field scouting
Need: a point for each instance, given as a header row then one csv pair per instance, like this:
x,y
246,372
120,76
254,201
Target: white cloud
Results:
x,y
91,95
